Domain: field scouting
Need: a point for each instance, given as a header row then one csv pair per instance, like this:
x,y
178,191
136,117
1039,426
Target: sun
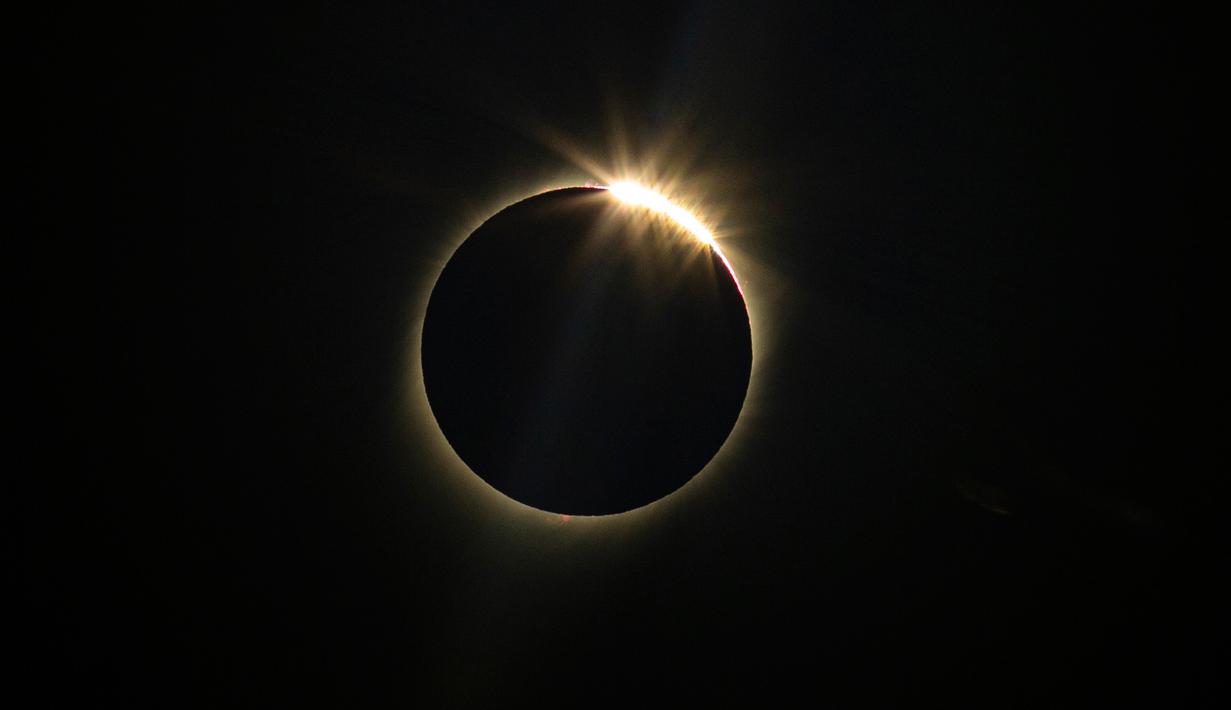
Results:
x,y
632,193
661,197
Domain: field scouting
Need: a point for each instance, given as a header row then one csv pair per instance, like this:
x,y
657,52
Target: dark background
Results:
x,y
974,467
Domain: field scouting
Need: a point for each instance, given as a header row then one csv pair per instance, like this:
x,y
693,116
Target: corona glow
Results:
x,y
640,196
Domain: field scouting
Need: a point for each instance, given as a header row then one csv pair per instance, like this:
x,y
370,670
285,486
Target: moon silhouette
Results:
x,y
584,354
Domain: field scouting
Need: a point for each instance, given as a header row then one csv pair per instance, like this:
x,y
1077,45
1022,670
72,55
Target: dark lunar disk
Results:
x,y
585,356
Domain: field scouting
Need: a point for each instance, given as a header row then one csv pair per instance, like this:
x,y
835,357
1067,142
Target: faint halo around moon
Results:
x,y
584,355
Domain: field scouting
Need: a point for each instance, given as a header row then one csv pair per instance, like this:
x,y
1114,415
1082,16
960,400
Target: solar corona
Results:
x,y
587,350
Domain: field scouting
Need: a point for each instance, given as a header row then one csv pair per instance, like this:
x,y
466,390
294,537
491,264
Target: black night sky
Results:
x,y
971,469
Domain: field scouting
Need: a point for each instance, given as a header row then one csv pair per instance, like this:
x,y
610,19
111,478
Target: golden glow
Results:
x,y
690,202
634,194
638,195
673,179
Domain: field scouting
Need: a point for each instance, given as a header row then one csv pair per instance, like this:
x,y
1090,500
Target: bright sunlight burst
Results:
x,y
633,194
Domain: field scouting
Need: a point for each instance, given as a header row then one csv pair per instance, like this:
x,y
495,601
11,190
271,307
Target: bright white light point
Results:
x,y
633,194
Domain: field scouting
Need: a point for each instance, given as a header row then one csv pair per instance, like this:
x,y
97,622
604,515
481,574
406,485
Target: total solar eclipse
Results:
x,y
587,350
